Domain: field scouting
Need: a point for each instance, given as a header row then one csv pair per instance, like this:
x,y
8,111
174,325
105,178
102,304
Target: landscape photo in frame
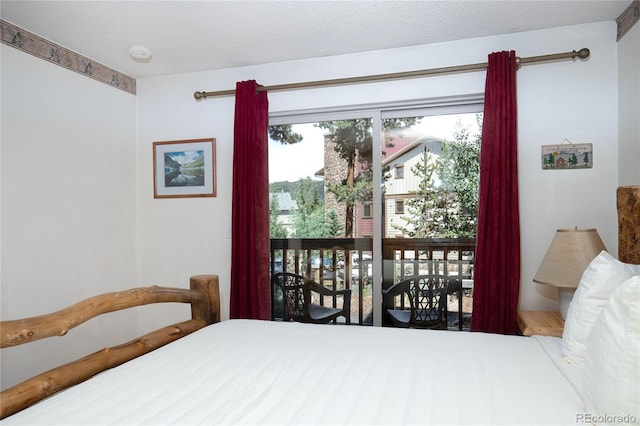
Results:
x,y
184,168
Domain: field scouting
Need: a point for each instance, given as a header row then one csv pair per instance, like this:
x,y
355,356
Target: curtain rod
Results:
x,y
582,54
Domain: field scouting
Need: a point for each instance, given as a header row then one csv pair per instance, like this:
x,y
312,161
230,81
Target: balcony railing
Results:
x,y
346,263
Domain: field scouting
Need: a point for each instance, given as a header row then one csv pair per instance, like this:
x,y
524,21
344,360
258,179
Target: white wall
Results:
x,y
181,237
68,203
629,105
573,100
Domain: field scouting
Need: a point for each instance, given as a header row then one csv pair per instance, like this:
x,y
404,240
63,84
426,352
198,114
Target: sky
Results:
x,y
185,156
304,159
299,160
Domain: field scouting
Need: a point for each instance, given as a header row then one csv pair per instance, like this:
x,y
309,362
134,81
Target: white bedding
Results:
x,y
260,372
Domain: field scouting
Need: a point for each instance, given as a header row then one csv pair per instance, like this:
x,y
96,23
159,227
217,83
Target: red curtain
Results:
x,y
250,285
497,263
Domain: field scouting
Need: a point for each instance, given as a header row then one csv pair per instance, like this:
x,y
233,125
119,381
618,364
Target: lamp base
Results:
x,y
565,295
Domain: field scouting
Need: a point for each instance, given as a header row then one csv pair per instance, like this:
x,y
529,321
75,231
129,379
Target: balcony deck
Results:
x,y
346,263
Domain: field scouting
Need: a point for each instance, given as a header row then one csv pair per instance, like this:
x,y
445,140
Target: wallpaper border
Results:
x,y
628,18
25,41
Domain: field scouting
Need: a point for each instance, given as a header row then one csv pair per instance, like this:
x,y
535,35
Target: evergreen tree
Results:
x,y
352,141
459,170
551,160
333,227
573,160
284,134
309,225
308,218
424,208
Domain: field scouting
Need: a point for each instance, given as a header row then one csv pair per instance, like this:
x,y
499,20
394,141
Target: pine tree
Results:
x,y
459,170
308,218
424,207
333,227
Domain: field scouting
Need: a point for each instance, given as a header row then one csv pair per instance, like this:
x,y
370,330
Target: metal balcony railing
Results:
x,y
346,263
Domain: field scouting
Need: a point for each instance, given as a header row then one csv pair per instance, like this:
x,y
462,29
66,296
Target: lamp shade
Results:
x,y
569,254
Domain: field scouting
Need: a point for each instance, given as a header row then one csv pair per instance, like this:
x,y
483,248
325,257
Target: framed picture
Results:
x,y
184,168
567,156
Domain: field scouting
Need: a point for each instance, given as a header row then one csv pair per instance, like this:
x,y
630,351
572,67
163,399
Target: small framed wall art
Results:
x,y
567,156
184,168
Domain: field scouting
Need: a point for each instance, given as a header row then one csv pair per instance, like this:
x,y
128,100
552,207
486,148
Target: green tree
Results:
x,y
459,170
551,160
424,209
352,141
585,159
573,160
310,225
308,218
276,229
333,227
284,134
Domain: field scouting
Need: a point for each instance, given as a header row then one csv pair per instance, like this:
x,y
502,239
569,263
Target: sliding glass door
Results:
x,y
359,197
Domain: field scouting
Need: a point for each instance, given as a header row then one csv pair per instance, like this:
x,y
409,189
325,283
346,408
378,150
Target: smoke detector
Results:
x,y
139,52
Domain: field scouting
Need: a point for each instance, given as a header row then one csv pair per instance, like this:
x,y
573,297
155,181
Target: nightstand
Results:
x,y
544,323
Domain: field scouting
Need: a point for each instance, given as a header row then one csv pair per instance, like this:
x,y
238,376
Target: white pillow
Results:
x,y
612,362
603,275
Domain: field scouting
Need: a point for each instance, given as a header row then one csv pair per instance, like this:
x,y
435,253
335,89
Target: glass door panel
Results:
x,y
430,168
320,211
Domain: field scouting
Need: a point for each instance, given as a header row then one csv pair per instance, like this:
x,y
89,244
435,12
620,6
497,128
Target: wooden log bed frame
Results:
x,y
203,296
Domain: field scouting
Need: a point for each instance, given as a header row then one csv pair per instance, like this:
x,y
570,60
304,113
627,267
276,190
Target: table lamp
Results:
x,y
569,254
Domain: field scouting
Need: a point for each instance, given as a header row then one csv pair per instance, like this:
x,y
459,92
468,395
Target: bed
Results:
x,y
207,372
259,372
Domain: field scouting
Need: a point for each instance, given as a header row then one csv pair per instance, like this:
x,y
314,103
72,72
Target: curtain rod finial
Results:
x,y
582,53
200,95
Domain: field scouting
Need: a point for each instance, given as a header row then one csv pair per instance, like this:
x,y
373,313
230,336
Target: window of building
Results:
x,y
366,210
400,171
399,206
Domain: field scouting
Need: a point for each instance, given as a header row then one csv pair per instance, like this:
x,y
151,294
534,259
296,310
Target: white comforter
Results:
x,y
255,372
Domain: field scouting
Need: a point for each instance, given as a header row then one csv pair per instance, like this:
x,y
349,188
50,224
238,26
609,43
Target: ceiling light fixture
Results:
x,y
140,52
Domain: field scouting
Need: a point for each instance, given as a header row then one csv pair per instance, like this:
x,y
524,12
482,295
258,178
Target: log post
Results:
x,y
207,308
628,203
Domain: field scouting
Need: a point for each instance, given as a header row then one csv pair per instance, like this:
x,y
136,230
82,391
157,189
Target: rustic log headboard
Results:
x,y
203,296
628,203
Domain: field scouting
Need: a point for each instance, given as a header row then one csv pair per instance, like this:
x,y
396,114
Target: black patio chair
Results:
x,y
427,296
297,295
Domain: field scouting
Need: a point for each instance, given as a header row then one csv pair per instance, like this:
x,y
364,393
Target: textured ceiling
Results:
x,y
187,36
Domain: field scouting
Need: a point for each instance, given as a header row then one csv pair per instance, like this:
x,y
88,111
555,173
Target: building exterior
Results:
x,y
398,160
400,181
286,207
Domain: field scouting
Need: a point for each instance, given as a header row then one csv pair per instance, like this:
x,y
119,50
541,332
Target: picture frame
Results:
x,y
184,168
567,156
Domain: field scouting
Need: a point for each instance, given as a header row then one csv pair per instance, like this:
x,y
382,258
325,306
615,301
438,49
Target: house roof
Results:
x,y
285,202
404,145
